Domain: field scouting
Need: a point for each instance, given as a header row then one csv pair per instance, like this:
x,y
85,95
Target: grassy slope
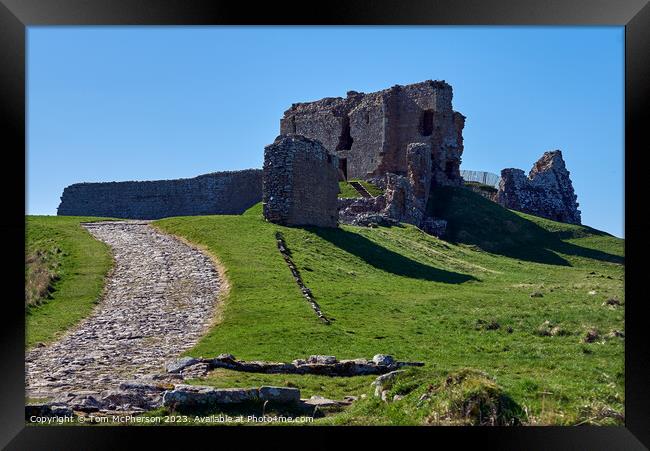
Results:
x,y
84,262
399,291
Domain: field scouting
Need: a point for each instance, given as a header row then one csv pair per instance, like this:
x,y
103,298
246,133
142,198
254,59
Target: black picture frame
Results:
x,y
16,15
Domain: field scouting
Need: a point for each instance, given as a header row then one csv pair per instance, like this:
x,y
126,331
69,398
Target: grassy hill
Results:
x,y
508,294
64,274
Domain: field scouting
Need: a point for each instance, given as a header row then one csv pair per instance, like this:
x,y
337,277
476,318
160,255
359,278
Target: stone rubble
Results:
x,y
383,384
404,200
176,366
315,364
306,292
158,301
200,396
197,396
362,210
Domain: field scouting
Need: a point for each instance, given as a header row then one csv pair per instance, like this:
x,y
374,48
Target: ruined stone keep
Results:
x,y
547,191
406,140
230,192
370,133
300,182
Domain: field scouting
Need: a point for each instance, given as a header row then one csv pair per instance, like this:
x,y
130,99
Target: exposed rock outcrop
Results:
x,y
546,192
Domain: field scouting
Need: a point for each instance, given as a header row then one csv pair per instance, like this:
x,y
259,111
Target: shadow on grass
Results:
x,y
584,252
474,220
385,259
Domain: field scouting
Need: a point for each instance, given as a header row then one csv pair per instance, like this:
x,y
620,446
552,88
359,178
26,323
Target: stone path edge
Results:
x,y
97,302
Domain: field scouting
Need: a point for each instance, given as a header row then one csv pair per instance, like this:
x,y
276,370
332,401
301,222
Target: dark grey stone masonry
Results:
x,y
230,192
300,182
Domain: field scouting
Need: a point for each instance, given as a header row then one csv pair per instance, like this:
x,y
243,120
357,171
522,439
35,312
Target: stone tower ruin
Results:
x,y
405,139
300,183
370,133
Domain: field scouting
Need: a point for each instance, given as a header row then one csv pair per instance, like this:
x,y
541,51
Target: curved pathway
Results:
x,y
158,301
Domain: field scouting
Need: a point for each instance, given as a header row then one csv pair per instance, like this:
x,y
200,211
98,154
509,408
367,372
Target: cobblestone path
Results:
x,y
158,301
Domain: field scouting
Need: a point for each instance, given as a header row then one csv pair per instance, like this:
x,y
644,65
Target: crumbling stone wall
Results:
x,y
230,192
370,133
547,191
402,202
418,159
300,182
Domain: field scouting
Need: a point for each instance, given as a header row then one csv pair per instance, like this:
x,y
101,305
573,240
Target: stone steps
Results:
x,y
360,189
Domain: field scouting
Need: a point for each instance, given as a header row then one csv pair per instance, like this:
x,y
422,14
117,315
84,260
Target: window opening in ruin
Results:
x,y
345,140
367,118
293,123
343,169
427,123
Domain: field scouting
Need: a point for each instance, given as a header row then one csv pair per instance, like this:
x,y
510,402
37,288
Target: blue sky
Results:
x,y
144,103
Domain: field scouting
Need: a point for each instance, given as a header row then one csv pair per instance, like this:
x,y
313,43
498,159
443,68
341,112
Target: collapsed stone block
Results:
x,y
177,366
200,396
300,180
279,394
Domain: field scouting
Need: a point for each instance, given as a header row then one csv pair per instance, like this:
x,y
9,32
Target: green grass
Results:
x,y
461,398
347,191
482,187
399,291
77,264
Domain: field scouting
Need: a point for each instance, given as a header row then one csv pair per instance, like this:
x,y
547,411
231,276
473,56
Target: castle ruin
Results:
x,y
406,140
370,133
547,191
